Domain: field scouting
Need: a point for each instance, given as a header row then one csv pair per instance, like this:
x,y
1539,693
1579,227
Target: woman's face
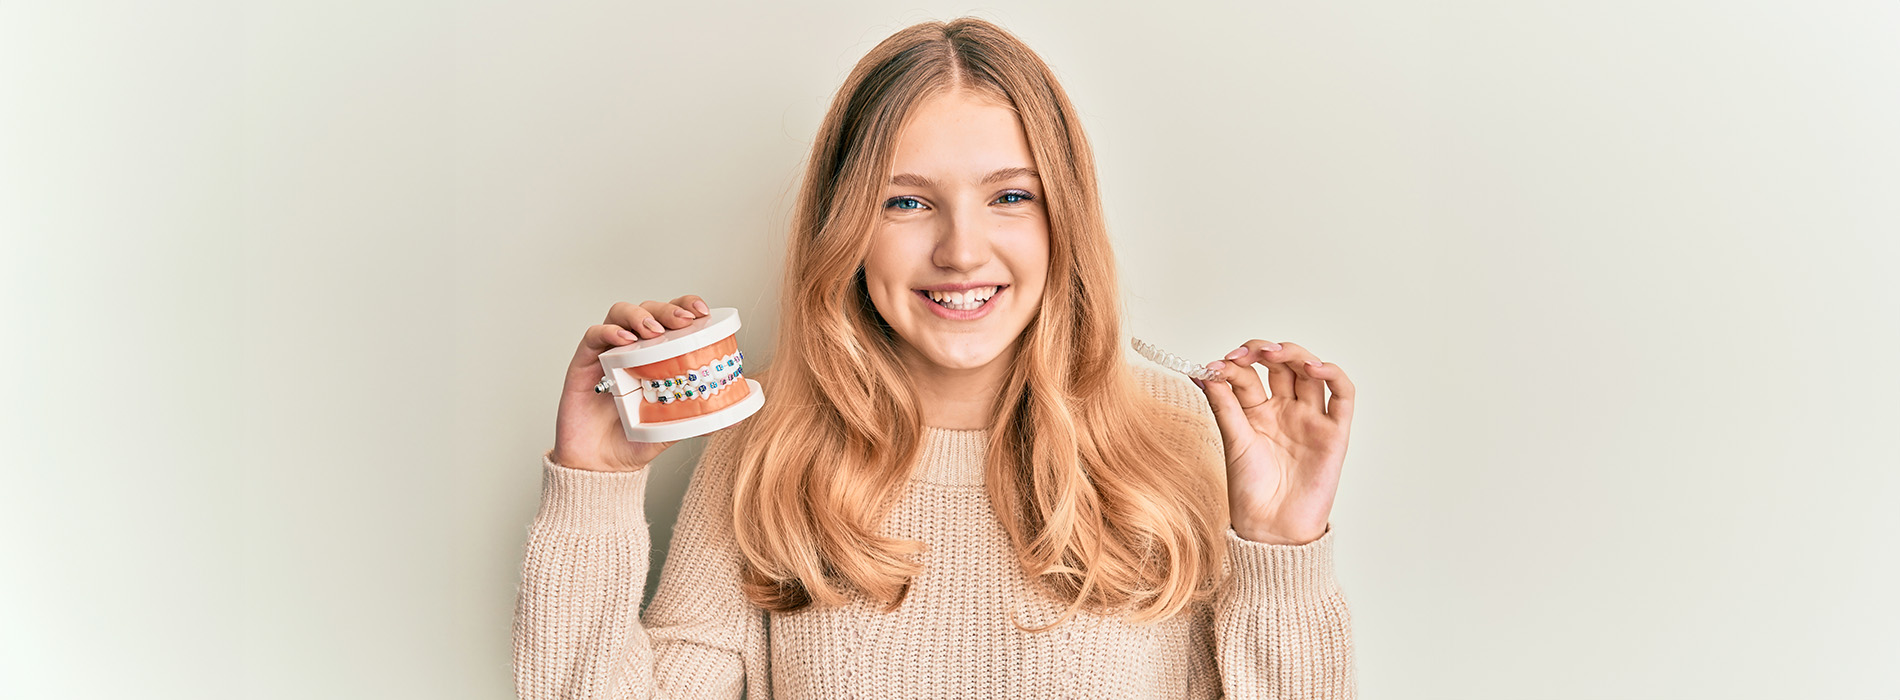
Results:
x,y
961,248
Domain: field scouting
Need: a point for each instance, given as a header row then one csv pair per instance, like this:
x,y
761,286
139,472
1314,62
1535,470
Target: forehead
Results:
x,y
960,135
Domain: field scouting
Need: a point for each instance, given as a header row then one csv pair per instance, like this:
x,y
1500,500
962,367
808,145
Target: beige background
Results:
x,y
288,290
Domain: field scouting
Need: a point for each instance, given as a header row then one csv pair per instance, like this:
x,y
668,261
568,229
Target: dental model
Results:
x,y
1173,361
686,382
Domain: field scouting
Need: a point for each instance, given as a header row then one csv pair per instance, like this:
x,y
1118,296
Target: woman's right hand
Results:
x,y
587,432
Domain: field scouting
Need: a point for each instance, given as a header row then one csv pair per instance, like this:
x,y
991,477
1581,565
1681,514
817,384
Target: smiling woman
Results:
x,y
958,488
952,162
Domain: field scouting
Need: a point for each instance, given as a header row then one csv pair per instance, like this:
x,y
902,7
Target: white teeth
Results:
x,y
705,382
964,300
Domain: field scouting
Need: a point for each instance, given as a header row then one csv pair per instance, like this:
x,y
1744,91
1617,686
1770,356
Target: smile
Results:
x,y
962,305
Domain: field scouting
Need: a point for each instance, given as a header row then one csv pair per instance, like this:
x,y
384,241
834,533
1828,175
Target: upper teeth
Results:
x,y
965,297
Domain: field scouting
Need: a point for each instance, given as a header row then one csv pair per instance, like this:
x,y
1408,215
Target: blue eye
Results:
x,y
1020,195
893,203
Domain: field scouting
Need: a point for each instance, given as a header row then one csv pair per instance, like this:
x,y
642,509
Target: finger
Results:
x,y
1246,386
635,318
1269,355
1255,351
693,303
599,339
1228,416
1340,407
669,315
1296,374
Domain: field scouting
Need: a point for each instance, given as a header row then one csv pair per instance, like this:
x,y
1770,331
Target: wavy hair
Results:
x,y
1105,512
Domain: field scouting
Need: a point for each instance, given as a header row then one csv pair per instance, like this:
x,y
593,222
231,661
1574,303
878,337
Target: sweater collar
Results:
x,y
952,457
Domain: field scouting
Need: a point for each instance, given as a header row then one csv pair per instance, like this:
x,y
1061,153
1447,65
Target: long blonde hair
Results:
x,y
1109,514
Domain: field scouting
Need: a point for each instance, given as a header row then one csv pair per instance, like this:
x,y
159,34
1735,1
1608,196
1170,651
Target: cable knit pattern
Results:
x,y
1279,629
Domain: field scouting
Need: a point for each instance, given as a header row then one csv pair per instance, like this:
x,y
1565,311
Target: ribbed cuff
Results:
x,y
581,500
1278,573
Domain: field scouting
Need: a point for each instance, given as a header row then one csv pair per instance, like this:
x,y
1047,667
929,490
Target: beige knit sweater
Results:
x,y
1280,628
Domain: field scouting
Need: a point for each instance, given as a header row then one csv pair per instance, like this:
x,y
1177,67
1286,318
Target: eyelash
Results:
x,y
1026,197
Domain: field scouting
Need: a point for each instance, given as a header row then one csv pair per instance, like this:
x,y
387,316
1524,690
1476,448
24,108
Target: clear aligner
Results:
x,y
705,382
1173,361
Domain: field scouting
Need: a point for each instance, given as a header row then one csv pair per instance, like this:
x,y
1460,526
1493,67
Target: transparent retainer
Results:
x,y
1173,361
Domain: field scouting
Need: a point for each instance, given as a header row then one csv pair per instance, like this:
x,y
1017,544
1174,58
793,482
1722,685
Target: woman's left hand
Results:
x,y
1284,451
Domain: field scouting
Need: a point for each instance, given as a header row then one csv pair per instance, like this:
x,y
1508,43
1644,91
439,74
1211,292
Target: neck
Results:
x,y
958,398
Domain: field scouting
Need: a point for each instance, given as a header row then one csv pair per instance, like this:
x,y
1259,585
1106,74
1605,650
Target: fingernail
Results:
x,y
655,326
700,306
1236,354
1216,365
1314,363
1273,347
682,313
628,335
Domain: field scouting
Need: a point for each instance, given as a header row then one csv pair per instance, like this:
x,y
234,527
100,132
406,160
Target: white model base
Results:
x,y
665,431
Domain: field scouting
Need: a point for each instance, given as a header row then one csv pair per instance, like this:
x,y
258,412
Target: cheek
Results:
x,y
877,260
886,272
1036,275
1031,253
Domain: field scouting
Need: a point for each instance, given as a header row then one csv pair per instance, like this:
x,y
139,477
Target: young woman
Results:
x,y
957,487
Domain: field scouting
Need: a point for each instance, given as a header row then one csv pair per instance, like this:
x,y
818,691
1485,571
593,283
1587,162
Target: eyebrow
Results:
x,y
910,180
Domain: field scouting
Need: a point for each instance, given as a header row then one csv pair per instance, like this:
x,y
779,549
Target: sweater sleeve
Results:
x,y
1280,628
578,629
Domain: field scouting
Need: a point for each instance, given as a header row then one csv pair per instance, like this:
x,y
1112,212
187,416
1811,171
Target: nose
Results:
x,y
962,244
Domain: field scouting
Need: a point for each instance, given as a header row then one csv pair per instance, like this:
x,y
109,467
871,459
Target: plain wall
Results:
x,y
288,290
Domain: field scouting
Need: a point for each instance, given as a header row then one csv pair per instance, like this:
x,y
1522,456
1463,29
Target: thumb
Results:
x,y
1228,415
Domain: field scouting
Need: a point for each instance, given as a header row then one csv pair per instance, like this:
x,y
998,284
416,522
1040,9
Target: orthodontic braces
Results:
x,y
707,381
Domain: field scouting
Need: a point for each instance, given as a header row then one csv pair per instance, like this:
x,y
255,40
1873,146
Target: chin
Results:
x,y
964,358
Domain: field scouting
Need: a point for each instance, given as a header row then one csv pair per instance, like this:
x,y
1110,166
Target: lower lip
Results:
x,y
956,315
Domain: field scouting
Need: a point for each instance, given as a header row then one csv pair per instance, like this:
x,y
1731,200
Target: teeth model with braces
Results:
x,y
688,381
